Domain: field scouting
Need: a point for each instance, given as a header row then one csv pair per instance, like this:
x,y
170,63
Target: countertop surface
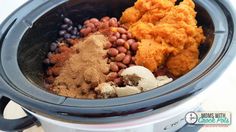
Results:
x,y
221,96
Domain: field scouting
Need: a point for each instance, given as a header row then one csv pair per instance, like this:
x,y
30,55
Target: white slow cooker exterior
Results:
x,y
168,119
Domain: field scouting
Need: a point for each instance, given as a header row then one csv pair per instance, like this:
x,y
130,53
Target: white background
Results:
x,y
221,94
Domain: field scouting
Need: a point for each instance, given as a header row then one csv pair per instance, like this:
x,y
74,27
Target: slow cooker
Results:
x,y
25,37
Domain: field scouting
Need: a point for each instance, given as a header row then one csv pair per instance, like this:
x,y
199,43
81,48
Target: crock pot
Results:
x,y
24,40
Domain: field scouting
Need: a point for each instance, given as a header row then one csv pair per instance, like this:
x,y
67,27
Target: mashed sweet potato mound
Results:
x,y
168,34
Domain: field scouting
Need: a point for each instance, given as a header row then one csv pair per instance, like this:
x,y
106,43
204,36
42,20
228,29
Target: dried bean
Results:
x,y
106,18
134,46
73,36
121,30
91,25
108,45
113,22
68,21
124,36
120,42
128,52
86,22
127,59
46,61
130,41
123,26
119,73
117,34
114,67
94,29
131,65
121,65
113,52
94,20
112,59
69,28
62,32
126,45
120,57
80,27
86,31
53,46
114,45
64,26
112,39
129,35
97,24
122,49
118,81
111,76
67,36
114,19
82,31
49,54
74,32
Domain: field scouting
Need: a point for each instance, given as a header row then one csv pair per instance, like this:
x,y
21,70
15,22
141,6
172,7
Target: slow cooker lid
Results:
x,y
29,95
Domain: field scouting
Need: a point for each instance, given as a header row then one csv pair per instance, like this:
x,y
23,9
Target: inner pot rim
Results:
x,y
19,29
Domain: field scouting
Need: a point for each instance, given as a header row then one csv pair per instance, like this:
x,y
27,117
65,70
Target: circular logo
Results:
x,y
191,117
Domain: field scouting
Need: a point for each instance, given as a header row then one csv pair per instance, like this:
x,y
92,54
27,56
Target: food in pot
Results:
x,y
168,34
99,54
154,42
84,69
136,79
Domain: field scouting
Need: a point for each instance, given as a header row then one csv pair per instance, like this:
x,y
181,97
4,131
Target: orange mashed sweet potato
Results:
x,y
168,34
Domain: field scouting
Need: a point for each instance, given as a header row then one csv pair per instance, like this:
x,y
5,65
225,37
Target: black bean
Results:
x,y
64,26
62,32
67,36
68,21
73,36
53,46
46,61
74,32
75,28
69,28
80,27
49,54
57,50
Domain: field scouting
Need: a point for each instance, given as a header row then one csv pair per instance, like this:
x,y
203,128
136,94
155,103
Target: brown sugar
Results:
x,y
84,70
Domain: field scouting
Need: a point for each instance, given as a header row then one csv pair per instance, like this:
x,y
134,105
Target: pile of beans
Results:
x,y
121,48
69,30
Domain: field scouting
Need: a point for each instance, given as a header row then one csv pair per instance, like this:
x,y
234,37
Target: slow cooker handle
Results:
x,y
14,124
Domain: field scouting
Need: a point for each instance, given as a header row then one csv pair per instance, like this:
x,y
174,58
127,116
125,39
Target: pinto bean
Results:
x,y
112,52
127,59
122,49
120,42
120,57
114,67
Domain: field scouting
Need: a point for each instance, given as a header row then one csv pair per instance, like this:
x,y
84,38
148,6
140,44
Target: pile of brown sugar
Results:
x,y
84,69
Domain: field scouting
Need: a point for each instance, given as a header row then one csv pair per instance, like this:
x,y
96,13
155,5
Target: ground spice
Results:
x,y
84,70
